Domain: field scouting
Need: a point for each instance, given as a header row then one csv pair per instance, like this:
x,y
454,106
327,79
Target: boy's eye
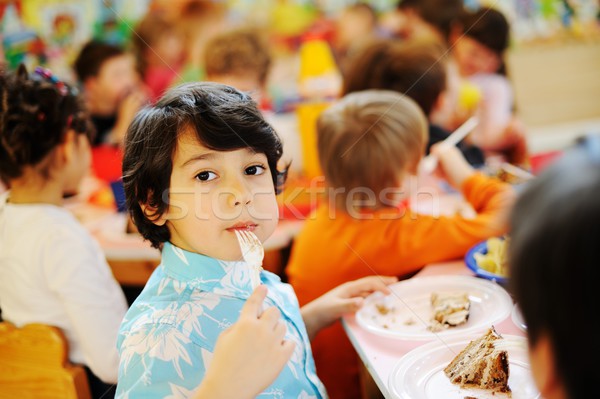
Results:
x,y
206,176
255,170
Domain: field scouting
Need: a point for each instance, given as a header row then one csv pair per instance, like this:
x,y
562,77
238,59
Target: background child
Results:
x,y
426,19
478,42
416,69
158,45
369,144
240,58
199,165
111,89
51,270
355,25
554,271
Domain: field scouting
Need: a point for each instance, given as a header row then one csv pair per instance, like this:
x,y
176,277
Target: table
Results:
x,y
381,354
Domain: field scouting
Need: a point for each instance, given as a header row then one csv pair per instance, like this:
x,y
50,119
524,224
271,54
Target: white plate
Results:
x,y
420,373
517,318
410,307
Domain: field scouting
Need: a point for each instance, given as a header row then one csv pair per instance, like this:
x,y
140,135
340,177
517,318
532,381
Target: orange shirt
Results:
x,y
334,249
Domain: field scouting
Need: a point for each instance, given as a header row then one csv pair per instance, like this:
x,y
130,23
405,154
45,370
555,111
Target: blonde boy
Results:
x,y
369,144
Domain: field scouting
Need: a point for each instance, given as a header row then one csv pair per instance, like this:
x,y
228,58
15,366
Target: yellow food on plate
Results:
x,y
496,259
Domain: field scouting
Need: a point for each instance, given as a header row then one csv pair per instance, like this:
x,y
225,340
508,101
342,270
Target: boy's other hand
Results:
x,y
452,165
345,298
250,354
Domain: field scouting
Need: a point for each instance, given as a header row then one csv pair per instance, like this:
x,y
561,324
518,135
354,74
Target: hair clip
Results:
x,y
45,73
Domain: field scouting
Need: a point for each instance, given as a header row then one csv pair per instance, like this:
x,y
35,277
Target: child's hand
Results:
x,y
249,355
345,298
128,107
452,165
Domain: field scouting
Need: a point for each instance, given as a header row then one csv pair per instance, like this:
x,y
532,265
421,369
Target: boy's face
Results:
x,y
116,78
213,193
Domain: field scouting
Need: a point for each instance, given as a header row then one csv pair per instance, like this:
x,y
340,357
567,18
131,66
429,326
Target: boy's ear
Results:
x,y
545,373
152,215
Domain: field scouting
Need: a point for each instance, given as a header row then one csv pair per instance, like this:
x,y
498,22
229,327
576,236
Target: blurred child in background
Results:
x,y
554,271
417,69
51,269
111,89
240,58
355,25
158,45
479,41
370,144
425,19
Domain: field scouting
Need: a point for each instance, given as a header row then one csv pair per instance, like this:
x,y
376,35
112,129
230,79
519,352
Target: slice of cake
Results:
x,y
449,310
481,365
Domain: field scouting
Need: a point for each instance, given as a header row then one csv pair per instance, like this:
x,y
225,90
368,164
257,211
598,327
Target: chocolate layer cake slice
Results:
x,y
481,365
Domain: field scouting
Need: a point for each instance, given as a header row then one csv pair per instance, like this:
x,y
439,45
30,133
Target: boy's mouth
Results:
x,y
249,226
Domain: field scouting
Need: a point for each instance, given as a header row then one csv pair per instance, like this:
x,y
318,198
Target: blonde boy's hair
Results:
x,y
368,142
241,51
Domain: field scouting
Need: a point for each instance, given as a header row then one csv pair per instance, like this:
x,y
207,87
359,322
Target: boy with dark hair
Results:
x,y
200,166
111,89
554,271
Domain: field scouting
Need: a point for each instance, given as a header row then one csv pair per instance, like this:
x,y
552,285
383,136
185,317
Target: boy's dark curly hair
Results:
x,y
35,114
223,118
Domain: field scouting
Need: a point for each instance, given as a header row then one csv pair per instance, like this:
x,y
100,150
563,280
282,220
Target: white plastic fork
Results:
x,y
511,343
252,252
429,163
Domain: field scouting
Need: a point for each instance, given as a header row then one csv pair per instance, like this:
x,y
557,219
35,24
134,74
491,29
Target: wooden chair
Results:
x,y
34,364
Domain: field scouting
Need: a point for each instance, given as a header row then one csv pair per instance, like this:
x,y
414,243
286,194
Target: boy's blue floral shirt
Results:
x,y
168,335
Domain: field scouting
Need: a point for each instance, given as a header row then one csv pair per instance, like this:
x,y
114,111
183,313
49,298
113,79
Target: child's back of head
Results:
x,y
36,113
417,70
368,142
240,58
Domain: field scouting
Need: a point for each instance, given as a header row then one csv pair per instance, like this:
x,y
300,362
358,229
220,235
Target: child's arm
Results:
x,y
493,197
452,164
345,298
239,370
